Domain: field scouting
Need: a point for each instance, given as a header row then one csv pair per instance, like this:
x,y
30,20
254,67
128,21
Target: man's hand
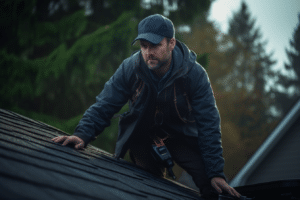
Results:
x,y
79,143
220,184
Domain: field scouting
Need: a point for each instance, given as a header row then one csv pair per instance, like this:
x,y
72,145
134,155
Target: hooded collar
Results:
x,y
182,59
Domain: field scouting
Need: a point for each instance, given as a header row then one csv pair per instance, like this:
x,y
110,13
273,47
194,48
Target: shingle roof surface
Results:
x,y
34,167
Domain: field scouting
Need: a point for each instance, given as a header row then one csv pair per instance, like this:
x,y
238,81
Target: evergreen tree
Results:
x,y
251,66
294,58
287,89
250,60
33,29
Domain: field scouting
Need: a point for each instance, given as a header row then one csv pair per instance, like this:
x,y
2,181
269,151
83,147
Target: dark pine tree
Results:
x,y
294,62
251,68
285,98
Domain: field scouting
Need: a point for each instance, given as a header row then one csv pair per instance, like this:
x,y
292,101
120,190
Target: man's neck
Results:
x,y
163,69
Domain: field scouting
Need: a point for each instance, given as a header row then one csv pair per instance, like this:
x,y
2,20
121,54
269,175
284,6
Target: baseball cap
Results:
x,y
154,28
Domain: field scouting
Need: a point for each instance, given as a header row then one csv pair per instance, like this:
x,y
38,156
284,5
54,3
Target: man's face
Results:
x,y
156,55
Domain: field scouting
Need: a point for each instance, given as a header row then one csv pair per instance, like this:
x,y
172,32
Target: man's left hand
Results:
x,y
220,184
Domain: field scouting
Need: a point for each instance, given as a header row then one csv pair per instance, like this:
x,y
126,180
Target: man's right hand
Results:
x,y
78,142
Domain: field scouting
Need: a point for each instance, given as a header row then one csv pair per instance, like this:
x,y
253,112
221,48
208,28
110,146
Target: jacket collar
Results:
x,y
183,58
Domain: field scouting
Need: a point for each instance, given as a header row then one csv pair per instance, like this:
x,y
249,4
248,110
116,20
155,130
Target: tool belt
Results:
x,y
158,135
160,152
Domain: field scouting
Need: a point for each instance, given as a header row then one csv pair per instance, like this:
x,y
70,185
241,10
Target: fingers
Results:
x,y
236,193
67,141
214,184
59,139
79,143
230,190
71,139
79,146
219,184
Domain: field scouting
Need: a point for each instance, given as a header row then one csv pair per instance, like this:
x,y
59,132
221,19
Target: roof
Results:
x,y
34,167
270,143
279,190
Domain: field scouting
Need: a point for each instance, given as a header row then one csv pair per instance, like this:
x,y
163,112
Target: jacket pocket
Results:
x,y
127,125
182,105
129,117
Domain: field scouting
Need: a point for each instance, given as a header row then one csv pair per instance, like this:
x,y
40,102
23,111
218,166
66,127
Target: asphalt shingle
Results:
x,y
34,167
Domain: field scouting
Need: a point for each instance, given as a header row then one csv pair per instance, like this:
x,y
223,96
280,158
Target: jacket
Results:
x,y
188,91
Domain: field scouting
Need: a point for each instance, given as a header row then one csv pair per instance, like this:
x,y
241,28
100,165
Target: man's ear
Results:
x,y
172,43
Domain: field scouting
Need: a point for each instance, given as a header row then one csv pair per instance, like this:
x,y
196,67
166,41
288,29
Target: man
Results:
x,y
170,101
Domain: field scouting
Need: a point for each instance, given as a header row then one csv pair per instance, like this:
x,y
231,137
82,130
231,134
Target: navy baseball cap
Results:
x,y
154,28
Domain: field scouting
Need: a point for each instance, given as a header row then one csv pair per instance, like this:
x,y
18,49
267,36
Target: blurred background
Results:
x,y
56,55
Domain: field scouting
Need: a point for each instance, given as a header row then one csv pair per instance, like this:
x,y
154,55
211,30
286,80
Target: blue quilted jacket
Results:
x,y
193,104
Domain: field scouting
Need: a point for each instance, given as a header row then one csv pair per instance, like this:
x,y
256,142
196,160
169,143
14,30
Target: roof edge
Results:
x,y
242,176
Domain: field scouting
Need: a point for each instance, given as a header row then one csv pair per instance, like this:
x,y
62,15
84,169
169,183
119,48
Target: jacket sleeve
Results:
x,y
112,98
208,121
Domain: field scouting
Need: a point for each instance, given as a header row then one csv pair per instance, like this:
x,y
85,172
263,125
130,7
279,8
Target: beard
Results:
x,y
160,63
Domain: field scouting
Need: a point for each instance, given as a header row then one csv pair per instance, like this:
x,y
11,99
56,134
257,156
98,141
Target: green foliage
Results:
x,y
16,79
65,83
69,27
203,59
179,11
189,9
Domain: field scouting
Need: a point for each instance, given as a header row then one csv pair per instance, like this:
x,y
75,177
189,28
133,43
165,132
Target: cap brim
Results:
x,y
150,37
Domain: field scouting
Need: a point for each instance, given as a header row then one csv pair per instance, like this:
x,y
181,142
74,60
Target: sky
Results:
x,y
276,19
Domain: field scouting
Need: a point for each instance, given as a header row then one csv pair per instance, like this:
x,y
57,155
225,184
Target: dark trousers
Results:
x,y
184,151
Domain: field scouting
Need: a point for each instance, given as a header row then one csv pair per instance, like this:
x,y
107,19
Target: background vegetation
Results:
x,y
56,55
